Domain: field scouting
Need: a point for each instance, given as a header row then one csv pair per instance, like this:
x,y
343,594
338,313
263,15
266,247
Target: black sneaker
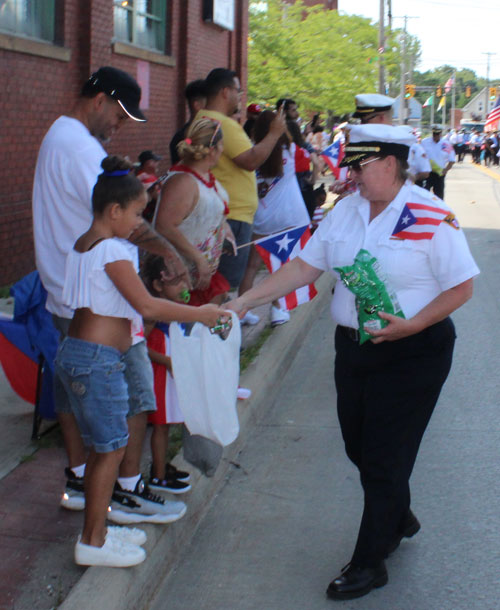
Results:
x,y
73,497
171,472
142,506
174,486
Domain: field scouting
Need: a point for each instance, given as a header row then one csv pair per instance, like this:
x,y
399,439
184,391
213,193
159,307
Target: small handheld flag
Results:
x,y
276,250
333,155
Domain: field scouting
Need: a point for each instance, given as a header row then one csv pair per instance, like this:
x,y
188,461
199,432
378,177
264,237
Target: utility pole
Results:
x,y
453,100
487,92
381,48
402,103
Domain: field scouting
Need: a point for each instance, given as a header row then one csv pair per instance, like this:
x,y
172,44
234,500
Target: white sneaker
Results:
x,y
244,393
73,497
131,535
279,316
113,553
250,318
142,506
122,517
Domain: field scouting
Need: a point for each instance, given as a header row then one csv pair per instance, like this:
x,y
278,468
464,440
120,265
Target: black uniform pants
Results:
x,y
436,183
386,394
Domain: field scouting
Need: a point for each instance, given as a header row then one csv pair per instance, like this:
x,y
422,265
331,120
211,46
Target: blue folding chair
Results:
x,y
28,345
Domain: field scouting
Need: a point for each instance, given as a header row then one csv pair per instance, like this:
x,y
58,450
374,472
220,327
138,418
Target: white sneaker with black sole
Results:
x,y
73,497
142,506
113,553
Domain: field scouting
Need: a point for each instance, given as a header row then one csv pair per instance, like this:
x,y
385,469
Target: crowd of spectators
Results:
x,y
98,220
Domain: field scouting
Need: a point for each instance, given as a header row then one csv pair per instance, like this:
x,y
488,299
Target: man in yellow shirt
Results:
x,y
236,167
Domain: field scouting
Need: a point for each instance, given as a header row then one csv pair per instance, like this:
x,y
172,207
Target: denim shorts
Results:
x,y
93,376
138,375
139,378
233,267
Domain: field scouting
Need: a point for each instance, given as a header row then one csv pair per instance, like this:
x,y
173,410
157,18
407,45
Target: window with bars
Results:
x,y
142,23
31,18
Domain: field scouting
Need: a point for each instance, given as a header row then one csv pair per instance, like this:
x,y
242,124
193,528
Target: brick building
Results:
x,y
48,48
327,4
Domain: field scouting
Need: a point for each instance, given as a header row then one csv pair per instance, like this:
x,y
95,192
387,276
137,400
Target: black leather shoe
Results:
x,y
356,582
409,529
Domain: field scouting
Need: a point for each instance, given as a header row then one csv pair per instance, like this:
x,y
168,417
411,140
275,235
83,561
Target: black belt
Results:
x,y
348,331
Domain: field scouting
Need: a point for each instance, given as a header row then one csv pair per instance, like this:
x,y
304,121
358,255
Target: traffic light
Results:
x,y
493,93
409,91
467,91
439,91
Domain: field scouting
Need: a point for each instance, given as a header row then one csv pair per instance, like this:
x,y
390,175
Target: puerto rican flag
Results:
x,y
420,221
278,249
333,155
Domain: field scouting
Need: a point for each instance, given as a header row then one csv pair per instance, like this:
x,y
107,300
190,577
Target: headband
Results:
x,y
116,172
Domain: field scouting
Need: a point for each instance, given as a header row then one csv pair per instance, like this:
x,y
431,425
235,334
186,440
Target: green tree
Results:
x,y
438,77
320,58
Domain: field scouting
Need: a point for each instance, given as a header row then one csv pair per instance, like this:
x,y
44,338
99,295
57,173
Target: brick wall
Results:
x,y
36,90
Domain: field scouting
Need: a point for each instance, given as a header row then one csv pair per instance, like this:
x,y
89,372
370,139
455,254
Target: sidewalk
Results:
x,y
38,571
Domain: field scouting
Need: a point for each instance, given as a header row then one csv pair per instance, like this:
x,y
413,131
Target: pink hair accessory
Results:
x,y
188,141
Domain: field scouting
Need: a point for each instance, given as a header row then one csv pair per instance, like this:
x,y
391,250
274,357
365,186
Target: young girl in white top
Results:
x,y
105,292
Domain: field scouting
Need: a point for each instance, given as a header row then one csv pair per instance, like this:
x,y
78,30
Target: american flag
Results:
x,y
420,221
449,84
333,155
278,249
493,117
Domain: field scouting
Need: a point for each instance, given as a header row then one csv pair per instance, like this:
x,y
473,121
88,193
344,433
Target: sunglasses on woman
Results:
x,y
358,166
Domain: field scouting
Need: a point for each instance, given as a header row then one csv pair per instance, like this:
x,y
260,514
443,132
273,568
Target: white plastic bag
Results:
x,y
206,372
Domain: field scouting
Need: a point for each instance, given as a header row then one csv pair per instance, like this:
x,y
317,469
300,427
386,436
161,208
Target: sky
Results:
x,y
454,32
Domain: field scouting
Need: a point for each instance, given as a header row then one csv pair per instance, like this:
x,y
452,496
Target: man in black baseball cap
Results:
x,y
68,164
120,86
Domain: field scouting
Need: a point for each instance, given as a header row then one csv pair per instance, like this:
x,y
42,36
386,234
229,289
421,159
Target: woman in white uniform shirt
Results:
x,y
386,388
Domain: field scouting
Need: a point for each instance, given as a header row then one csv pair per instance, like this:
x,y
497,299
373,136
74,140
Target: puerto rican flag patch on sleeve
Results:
x,y
420,221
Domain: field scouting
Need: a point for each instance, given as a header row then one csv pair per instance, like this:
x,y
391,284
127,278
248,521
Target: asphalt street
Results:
x,y
286,520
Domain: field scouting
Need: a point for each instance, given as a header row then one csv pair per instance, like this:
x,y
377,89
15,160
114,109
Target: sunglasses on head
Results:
x,y
216,131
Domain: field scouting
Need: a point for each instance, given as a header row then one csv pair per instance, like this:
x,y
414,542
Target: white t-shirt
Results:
x,y
281,205
417,269
87,284
440,152
68,164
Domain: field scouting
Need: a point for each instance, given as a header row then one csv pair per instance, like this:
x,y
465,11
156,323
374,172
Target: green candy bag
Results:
x,y
366,280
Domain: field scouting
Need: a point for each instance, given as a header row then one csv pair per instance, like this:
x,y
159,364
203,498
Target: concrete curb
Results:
x,y
133,588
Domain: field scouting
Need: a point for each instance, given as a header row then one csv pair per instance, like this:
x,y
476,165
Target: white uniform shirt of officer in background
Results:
x,y
417,160
440,152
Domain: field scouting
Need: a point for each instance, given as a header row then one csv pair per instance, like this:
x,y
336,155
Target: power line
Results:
x,y
454,5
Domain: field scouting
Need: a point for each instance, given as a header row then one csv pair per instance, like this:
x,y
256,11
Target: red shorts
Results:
x,y
218,285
